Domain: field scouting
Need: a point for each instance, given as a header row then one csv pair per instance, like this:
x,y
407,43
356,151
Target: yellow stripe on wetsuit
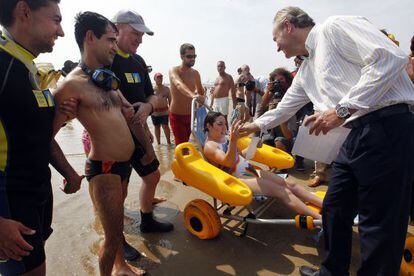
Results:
x,y
3,148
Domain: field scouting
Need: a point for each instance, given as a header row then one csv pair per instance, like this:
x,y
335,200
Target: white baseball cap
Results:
x,y
133,19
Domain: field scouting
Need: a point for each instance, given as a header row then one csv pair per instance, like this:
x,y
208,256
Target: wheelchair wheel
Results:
x,y
201,219
304,222
407,263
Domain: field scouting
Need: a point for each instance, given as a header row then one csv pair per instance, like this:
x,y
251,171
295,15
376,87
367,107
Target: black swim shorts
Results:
x,y
159,120
142,170
37,216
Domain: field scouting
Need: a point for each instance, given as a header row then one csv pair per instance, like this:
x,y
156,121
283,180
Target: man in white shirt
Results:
x,y
354,76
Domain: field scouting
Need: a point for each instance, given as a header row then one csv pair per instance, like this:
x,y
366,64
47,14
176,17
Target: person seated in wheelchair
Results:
x,y
222,152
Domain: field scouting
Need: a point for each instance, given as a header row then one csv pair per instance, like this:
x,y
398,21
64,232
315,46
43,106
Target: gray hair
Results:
x,y
295,16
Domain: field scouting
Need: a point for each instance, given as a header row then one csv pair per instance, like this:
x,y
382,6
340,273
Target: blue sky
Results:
x,y
236,31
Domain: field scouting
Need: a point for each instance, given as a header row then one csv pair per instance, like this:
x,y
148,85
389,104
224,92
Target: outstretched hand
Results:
x,y
248,128
235,130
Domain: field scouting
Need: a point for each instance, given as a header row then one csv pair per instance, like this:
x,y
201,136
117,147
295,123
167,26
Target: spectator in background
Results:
x,y
240,110
161,108
68,66
185,85
223,85
252,92
281,136
298,61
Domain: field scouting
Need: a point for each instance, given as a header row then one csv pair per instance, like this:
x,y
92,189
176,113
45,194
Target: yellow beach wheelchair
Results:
x,y
232,199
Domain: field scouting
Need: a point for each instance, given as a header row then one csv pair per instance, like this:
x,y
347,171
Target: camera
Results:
x,y
276,89
250,85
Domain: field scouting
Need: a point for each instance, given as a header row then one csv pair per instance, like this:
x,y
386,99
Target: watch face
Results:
x,y
342,112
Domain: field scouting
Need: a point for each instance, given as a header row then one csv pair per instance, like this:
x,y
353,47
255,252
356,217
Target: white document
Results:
x,y
251,150
322,148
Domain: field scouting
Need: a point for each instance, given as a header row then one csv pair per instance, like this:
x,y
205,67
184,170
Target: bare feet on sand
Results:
x,y
128,270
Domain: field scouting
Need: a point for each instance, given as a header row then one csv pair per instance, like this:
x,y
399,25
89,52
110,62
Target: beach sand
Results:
x,y
266,250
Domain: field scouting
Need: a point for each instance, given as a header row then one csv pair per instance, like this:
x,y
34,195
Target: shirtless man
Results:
x,y
103,111
160,115
240,110
185,85
223,84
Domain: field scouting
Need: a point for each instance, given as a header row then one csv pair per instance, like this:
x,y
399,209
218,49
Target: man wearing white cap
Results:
x,y
136,86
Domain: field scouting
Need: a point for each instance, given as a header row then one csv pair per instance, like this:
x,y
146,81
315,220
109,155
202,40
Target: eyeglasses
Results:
x,y
190,56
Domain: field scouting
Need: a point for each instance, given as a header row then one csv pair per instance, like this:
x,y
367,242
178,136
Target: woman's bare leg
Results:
x,y
281,192
296,189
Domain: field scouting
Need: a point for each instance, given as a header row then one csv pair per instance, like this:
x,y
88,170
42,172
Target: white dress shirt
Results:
x,y
350,62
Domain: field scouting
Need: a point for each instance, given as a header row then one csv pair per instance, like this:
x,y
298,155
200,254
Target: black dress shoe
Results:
x,y
130,253
308,271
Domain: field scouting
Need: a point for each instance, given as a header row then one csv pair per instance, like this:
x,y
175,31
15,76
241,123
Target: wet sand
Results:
x,y
266,250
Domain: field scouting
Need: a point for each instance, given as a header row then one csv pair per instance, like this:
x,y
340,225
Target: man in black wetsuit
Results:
x,y
137,88
26,145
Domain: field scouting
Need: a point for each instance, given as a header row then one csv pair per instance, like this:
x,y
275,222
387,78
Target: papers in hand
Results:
x,y
322,148
251,150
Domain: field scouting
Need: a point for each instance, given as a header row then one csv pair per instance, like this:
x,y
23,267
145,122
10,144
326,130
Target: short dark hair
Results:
x,y
285,73
211,118
7,7
185,47
412,46
90,21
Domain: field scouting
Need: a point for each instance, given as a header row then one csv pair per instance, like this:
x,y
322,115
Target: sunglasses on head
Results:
x,y
190,56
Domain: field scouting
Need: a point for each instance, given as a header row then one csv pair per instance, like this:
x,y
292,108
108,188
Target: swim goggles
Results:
x,y
102,77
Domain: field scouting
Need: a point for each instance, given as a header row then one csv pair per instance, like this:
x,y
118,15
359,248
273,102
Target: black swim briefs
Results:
x,y
95,167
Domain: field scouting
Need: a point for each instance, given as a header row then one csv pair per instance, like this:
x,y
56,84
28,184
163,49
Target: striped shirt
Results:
x,y
350,62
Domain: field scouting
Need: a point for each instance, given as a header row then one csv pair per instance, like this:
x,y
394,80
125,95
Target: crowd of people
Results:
x,y
347,74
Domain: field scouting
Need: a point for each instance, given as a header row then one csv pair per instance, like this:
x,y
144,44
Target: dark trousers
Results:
x,y
372,177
